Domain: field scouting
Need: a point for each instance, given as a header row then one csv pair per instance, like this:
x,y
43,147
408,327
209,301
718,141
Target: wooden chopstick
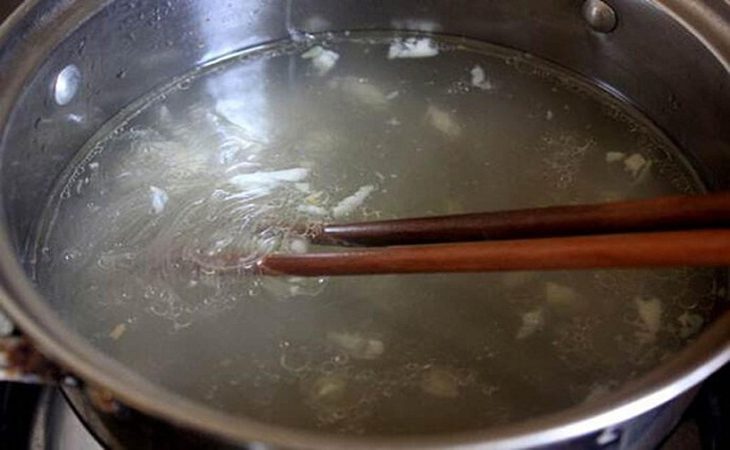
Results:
x,y
709,247
663,213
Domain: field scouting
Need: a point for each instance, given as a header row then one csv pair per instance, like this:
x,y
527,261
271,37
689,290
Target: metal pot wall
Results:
x,y
67,66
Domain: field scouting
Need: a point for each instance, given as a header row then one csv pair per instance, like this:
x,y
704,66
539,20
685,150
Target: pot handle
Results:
x,y
20,361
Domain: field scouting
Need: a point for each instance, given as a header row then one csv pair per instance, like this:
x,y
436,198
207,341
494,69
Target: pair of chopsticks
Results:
x,y
666,231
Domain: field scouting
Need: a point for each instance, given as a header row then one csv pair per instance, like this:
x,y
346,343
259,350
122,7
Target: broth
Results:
x,y
353,127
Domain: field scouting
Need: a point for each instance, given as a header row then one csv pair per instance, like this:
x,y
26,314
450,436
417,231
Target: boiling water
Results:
x,y
350,128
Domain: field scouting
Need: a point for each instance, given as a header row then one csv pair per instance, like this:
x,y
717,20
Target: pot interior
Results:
x,y
155,138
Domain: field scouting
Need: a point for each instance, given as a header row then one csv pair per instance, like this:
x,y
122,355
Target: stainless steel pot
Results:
x,y
66,66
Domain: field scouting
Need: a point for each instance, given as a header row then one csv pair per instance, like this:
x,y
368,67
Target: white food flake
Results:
x,y
650,313
262,179
392,95
357,345
412,48
360,90
328,388
549,114
531,322
613,157
558,294
443,121
597,391
440,382
298,245
245,165
118,331
159,199
312,210
516,279
323,60
690,324
303,187
349,204
479,78
634,164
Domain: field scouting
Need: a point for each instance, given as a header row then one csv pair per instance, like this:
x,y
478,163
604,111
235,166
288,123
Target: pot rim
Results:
x,y
36,318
